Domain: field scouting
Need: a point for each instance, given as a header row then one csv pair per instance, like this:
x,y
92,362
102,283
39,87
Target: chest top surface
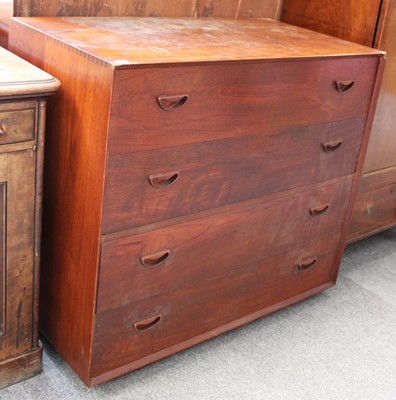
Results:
x,y
19,78
126,41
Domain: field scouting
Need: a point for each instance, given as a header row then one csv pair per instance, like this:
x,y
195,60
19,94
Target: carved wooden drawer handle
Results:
x,y
307,265
328,147
155,259
163,179
148,323
319,210
172,103
344,86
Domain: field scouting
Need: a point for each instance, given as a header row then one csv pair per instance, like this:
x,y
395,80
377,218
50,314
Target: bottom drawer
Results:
x,y
160,260
373,211
129,333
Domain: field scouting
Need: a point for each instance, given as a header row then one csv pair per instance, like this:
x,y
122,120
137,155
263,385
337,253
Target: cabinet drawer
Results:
x,y
233,99
140,329
17,125
373,211
146,187
147,264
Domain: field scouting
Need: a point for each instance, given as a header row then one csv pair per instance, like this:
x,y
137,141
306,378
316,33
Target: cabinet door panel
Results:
x,y
17,191
353,20
381,152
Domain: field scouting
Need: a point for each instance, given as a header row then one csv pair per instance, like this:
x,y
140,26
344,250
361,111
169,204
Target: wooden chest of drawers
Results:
x,y
200,177
23,89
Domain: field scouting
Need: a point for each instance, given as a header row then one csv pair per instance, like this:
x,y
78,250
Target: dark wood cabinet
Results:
x,y
192,185
372,23
23,89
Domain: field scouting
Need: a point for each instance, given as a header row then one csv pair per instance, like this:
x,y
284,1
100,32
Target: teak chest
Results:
x,y
23,91
201,176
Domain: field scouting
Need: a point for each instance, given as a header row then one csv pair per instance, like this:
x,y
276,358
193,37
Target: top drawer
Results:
x,y
17,122
168,106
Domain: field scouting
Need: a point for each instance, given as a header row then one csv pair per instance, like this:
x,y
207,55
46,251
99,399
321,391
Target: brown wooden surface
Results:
x,y
82,116
6,11
21,367
374,211
74,164
190,40
136,8
371,23
208,303
17,125
149,8
381,153
3,264
354,20
19,78
270,163
17,170
235,323
21,154
376,179
283,93
244,226
22,128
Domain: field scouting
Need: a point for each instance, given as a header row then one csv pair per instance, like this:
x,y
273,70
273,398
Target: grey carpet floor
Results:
x,y
340,344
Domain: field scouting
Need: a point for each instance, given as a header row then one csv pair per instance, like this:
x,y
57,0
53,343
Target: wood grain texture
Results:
x,y
244,226
284,94
74,145
21,367
19,78
134,365
260,9
353,20
376,179
136,8
208,172
148,8
193,309
373,212
186,40
3,271
6,11
381,153
371,23
17,125
18,171
22,123
233,101
216,8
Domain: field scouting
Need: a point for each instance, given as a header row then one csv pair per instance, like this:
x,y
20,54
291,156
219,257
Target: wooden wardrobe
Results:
x,y
371,23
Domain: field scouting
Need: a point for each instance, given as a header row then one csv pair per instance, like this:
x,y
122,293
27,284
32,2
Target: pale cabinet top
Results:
x,y
19,78
128,41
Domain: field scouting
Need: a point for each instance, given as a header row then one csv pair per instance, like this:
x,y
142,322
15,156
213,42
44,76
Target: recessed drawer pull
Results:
x,y
328,147
163,179
155,259
344,86
147,324
319,210
307,265
2,130
172,103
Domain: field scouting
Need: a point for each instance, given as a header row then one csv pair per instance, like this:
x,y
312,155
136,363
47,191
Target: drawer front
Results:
x,y
147,187
164,107
146,264
373,211
17,125
140,329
